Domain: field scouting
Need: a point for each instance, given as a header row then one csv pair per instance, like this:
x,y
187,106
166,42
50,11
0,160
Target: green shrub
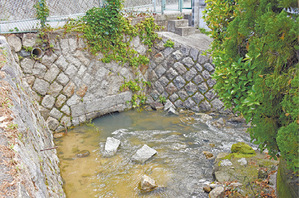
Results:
x,y
256,68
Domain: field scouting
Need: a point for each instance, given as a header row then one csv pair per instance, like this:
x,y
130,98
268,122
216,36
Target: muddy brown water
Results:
x,y
179,168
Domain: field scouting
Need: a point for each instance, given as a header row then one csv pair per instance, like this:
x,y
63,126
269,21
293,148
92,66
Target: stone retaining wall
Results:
x,y
182,74
35,161
72,86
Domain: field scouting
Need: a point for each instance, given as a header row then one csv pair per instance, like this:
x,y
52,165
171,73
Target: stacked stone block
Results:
x,y
37,173
71,85
182,74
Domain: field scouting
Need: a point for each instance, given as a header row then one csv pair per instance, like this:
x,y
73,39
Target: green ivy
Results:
x,y
42,11
107,31
169,43
256,68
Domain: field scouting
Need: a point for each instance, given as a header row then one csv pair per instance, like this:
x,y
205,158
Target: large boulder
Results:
x,y
143,154
240,172
147,184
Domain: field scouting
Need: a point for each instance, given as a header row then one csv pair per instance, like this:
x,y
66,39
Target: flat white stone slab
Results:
x,y
111,146
143,154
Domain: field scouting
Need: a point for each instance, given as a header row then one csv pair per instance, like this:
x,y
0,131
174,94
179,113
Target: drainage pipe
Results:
x,y
37,52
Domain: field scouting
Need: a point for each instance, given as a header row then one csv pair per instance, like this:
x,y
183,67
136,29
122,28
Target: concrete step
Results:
x,y
185,31
173,24
189,18
180,27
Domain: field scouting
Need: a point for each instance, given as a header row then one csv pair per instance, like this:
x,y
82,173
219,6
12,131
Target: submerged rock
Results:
x,y
207,189
157,106
218,123
237,120
217,192
143,154
111,146
205,117
59,135
147,184
84,153
208,154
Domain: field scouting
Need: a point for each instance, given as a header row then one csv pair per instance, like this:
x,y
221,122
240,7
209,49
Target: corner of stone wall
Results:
x,y
35,158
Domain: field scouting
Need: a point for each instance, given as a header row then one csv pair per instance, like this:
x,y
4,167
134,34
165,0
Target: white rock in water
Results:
x,y
242,161
172,111
226,162
147,184
143,154
168,105
111,146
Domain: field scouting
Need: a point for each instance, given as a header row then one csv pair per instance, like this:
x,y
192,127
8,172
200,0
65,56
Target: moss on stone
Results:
x,y
242,148
238,155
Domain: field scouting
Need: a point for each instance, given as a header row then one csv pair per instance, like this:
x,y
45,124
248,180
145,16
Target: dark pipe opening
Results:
x,y
37,52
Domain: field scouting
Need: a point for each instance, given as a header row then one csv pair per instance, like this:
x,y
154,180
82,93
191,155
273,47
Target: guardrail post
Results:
x,y
163,4
181,5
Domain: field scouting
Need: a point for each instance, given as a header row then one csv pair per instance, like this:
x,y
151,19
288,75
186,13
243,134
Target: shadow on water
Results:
x,y
179,168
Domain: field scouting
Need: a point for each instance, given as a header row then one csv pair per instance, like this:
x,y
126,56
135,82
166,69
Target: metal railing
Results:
x,y
18,16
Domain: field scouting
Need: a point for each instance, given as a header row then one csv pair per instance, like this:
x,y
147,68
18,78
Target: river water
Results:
x,y
179,168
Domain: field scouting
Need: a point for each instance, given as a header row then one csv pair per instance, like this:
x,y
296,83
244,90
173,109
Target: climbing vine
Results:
x,y
42,11
109,33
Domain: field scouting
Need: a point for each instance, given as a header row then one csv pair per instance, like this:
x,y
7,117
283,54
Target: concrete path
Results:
x,y
198,40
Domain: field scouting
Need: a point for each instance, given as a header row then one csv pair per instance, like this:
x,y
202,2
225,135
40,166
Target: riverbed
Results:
x,y
179,168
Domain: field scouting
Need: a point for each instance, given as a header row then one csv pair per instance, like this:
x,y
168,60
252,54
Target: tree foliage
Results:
x,y
255,52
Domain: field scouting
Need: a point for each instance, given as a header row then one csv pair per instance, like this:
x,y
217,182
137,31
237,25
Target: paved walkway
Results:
x,y
198,40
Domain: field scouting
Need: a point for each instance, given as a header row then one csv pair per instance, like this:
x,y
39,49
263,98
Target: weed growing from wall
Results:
x,y
169,43
42,11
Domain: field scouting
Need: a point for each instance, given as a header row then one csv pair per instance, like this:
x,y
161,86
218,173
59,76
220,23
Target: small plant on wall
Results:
x,y
169,43
42,11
